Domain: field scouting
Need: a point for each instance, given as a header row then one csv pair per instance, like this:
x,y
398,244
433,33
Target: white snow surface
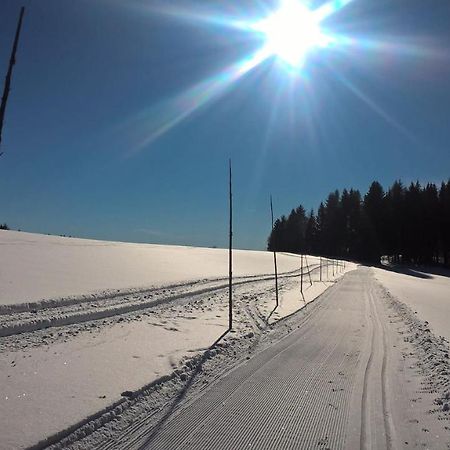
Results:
x,y
36,267
56,377
426,293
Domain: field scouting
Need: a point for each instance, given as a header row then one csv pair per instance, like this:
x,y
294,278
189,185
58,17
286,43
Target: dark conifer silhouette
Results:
x,y
408,224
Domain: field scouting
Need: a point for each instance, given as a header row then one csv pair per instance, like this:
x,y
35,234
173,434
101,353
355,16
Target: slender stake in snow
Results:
x,y
12,61
320,268
230,261
301,274
274,260
308,271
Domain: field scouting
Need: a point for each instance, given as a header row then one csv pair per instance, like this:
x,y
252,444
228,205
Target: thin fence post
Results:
x,y
309,272
301,274
274,259
320,268
230,256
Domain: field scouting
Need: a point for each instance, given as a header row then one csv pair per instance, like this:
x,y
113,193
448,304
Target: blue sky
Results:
x,y
95,81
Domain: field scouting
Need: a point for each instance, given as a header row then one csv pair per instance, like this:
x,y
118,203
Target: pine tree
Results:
x,y
311,234
372,222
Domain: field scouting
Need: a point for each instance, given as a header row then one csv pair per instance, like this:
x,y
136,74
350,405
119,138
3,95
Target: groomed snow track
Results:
x,y
23,318
296,394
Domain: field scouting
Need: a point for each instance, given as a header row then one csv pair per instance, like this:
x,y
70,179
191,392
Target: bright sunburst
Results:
x,y
292,31
289,33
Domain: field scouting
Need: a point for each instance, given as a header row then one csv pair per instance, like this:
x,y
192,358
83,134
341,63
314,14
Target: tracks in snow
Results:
x,y
295,394
87,309
377,429
326,385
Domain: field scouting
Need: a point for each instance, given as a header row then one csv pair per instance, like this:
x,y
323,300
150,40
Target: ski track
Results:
x,y
375,374
299,392
295,394
97,309
325,378
89,309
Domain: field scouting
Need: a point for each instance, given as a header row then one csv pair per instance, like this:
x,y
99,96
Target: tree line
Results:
x,y
408,224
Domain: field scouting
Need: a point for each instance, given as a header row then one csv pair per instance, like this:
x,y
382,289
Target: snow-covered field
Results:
x,y
99,339
37,267
100,321
96,336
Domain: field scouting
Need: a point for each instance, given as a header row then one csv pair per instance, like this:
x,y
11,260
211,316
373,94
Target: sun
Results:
x,y
291,32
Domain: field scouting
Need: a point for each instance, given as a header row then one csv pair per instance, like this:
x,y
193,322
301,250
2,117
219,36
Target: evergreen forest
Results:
x,y
407,224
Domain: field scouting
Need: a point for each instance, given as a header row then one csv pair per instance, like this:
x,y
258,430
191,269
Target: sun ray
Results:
x,y
255,178
329,8
395,45
160,119
289,34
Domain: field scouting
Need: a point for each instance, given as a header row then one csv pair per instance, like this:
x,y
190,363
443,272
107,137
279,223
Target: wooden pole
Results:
x,y
12,61
274,259
230,257
320,268
301,274
309,272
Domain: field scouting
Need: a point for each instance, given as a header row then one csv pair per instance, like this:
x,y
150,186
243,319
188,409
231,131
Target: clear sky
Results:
x,y
123,114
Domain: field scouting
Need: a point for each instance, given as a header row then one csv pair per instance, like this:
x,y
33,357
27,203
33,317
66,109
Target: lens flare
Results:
x,y
161,118
291,32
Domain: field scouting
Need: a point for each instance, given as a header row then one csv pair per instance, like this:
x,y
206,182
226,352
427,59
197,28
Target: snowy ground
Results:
x,y
426,293
109,319
36,267
354,369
